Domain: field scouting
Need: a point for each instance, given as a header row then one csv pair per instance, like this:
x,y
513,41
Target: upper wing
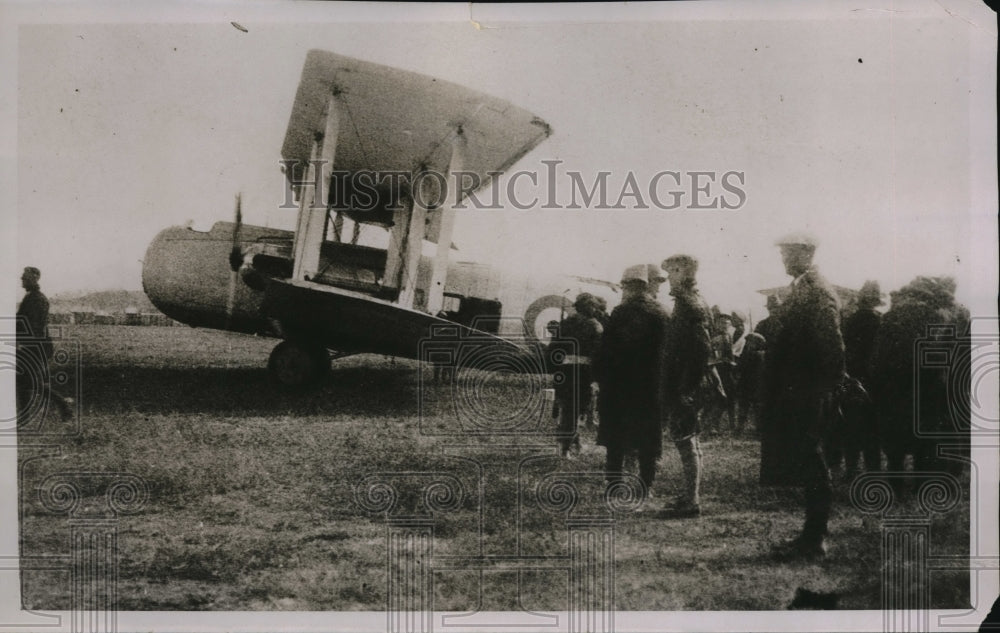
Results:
x,y
399,120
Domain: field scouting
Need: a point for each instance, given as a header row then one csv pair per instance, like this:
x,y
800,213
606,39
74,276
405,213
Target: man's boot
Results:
x,y
811,544
689,504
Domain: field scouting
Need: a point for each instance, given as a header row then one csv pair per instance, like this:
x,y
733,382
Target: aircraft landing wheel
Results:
x,y
295,364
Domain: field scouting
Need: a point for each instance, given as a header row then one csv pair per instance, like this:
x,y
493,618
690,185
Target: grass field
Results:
x,y
251,495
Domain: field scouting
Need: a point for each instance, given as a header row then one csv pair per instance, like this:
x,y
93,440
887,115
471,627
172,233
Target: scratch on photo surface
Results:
x,y
956,15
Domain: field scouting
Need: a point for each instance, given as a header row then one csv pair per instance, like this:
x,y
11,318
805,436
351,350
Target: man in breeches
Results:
x,y
687,352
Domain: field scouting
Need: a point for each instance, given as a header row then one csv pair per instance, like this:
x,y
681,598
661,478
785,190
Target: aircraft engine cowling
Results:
x,y
186,274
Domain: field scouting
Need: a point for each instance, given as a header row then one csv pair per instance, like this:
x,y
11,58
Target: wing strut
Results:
x,y
414,244
395,261
439,270
311,227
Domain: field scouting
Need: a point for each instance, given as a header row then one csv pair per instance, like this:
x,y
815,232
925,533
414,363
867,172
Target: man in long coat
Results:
x,y
578,336
913,390
627,368
34,351
859,434
804,367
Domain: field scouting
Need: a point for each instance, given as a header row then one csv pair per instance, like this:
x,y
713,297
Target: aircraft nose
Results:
x,y
187,276
158,266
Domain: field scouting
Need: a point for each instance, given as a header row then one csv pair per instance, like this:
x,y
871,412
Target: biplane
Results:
x,y
327,295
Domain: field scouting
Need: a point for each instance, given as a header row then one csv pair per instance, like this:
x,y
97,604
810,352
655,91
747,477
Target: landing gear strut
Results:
x,y
296,364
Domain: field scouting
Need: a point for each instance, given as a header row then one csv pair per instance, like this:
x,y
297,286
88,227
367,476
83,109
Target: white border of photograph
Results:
x,y
982,114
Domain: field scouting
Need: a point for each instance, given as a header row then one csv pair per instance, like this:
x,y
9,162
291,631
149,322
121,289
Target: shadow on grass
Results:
x,y
366,391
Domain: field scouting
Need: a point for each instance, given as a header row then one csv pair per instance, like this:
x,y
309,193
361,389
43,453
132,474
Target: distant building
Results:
x,y
129,316
132,316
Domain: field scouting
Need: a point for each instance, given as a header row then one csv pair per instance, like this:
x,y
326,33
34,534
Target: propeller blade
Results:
x,y
236,253
235,261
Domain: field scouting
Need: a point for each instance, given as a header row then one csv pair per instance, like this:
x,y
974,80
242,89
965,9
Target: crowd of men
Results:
x,y
820,389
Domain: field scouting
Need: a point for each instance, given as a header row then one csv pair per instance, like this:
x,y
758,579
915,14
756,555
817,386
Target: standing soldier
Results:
x,y
601,314
769,325
627,368
750,388
906,382
34,348
724,365
757,345
687,351
860,433
579,335
805,365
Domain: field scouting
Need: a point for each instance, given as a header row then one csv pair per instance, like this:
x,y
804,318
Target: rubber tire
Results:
x,y
295,364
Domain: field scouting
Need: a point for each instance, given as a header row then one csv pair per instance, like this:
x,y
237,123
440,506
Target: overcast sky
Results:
x,y
862,127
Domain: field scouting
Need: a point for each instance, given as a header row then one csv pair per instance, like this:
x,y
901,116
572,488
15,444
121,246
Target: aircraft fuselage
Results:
x,y
187,276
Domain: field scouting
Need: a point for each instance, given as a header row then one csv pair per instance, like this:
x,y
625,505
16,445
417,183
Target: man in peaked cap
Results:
x,y
627,368
805,366
637,273
687,352
801,239
34,350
